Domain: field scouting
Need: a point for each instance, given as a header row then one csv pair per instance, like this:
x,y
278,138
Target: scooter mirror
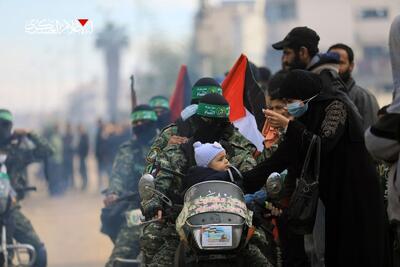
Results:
x,y
146,184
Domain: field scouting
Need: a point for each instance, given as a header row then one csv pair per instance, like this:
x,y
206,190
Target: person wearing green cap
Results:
x,y
128,166
183,128
160,240
160,104
13,144
175,133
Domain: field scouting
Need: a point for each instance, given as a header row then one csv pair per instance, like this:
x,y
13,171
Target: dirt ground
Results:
x,y
69,225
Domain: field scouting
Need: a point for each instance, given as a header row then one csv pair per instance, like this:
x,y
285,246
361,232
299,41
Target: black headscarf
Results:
x,y
275,83
300,84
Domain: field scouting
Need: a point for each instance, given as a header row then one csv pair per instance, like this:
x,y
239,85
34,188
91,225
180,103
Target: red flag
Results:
x,y
246,101
182,94
233,88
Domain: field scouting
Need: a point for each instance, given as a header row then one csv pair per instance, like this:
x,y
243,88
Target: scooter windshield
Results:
x,y
214,189
215,196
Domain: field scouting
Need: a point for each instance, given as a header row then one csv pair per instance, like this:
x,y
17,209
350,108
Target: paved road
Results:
x,y
69,226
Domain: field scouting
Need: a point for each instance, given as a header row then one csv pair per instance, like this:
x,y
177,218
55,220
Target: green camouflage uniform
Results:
x,y
19,156
162,139
159,144
160,240
128,166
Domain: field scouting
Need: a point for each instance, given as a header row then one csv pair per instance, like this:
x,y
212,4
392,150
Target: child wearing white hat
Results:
x,y
211,155
211,164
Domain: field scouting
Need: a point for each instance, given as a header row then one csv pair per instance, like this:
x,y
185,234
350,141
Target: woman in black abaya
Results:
x,y
349,187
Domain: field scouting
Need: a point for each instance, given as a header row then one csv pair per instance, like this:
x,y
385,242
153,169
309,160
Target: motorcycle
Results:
x,y
262,204
214,225
133,218
11,252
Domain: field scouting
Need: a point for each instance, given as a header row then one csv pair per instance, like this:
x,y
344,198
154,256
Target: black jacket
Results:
x,y
198,174
349,186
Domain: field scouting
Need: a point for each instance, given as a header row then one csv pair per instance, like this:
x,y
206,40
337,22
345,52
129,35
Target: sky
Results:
x,y
40,70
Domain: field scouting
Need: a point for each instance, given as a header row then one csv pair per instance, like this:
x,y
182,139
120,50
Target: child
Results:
x,y
211,164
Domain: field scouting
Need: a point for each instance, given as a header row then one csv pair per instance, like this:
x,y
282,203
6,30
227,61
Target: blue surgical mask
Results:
x,y
297,109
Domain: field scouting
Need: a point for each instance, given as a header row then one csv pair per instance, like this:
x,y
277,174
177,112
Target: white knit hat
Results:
x,y
205,153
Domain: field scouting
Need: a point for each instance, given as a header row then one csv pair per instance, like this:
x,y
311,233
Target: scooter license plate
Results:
x,y
216,236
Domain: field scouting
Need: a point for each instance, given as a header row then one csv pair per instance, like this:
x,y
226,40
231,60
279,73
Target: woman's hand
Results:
x,y
276,120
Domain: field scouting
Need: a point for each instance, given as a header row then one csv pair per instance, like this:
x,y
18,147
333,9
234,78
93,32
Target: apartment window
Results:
x,y
282,10
375,52
374,13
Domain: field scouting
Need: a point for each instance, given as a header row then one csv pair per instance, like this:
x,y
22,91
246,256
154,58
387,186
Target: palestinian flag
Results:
x,y
246,101
182,94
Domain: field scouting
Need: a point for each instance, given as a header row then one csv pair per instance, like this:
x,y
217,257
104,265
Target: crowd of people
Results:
x,y
67,167
314,99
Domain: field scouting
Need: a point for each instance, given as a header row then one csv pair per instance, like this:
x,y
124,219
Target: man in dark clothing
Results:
x,y
83,150
100,153
19,148
365,102
300,51
127,170
68,157
160,104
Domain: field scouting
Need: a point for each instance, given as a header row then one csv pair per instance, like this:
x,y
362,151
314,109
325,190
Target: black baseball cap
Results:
x,y
299,36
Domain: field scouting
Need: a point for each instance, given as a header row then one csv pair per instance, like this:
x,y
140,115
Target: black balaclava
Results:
x,y
5,126
164,118
160,104
146,131
211,126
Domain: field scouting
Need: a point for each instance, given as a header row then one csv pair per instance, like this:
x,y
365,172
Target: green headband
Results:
x,y
5,115
4,175
143,115
200,91
214,111
157,102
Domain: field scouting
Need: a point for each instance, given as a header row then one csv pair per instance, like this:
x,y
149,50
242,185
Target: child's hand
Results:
x,y
273,210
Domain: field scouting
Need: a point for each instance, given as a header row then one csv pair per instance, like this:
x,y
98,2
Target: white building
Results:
x,y
224,30
361,24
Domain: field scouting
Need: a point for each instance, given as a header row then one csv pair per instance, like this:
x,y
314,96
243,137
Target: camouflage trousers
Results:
x,y
160,241
158,244
24,233
126,245
23,230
